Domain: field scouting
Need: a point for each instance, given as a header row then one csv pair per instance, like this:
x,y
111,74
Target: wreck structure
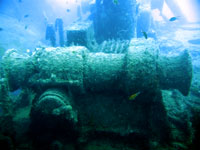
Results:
x,y
78,95
79,92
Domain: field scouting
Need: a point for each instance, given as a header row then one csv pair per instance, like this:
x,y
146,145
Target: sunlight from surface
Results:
x,y
156,15
65,9
167,11
59,4
62,3
189,9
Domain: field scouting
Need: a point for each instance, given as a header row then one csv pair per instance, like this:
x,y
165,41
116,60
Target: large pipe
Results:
x,y
141,68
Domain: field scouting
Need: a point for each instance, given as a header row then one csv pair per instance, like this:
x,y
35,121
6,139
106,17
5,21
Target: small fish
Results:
x,y
26,16
115,2
133,96
173,19
26,27
1,29
144,34
68,10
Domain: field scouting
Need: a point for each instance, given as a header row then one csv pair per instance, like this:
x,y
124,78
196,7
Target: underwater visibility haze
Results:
x,y
99,75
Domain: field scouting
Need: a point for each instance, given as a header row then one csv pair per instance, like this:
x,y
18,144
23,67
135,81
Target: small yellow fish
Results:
x,y
133,96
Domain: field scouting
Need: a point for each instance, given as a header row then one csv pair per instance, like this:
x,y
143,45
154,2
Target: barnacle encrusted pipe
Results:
x,y
141,68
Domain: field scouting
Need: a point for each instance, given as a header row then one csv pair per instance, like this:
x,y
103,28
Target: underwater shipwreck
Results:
x,y
95,88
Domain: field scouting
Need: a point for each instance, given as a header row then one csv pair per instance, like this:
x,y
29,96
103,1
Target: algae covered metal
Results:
x,y
141,68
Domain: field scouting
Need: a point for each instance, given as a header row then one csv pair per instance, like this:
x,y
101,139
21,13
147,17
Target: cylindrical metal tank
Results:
x,y
17,68
140,69
176,72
